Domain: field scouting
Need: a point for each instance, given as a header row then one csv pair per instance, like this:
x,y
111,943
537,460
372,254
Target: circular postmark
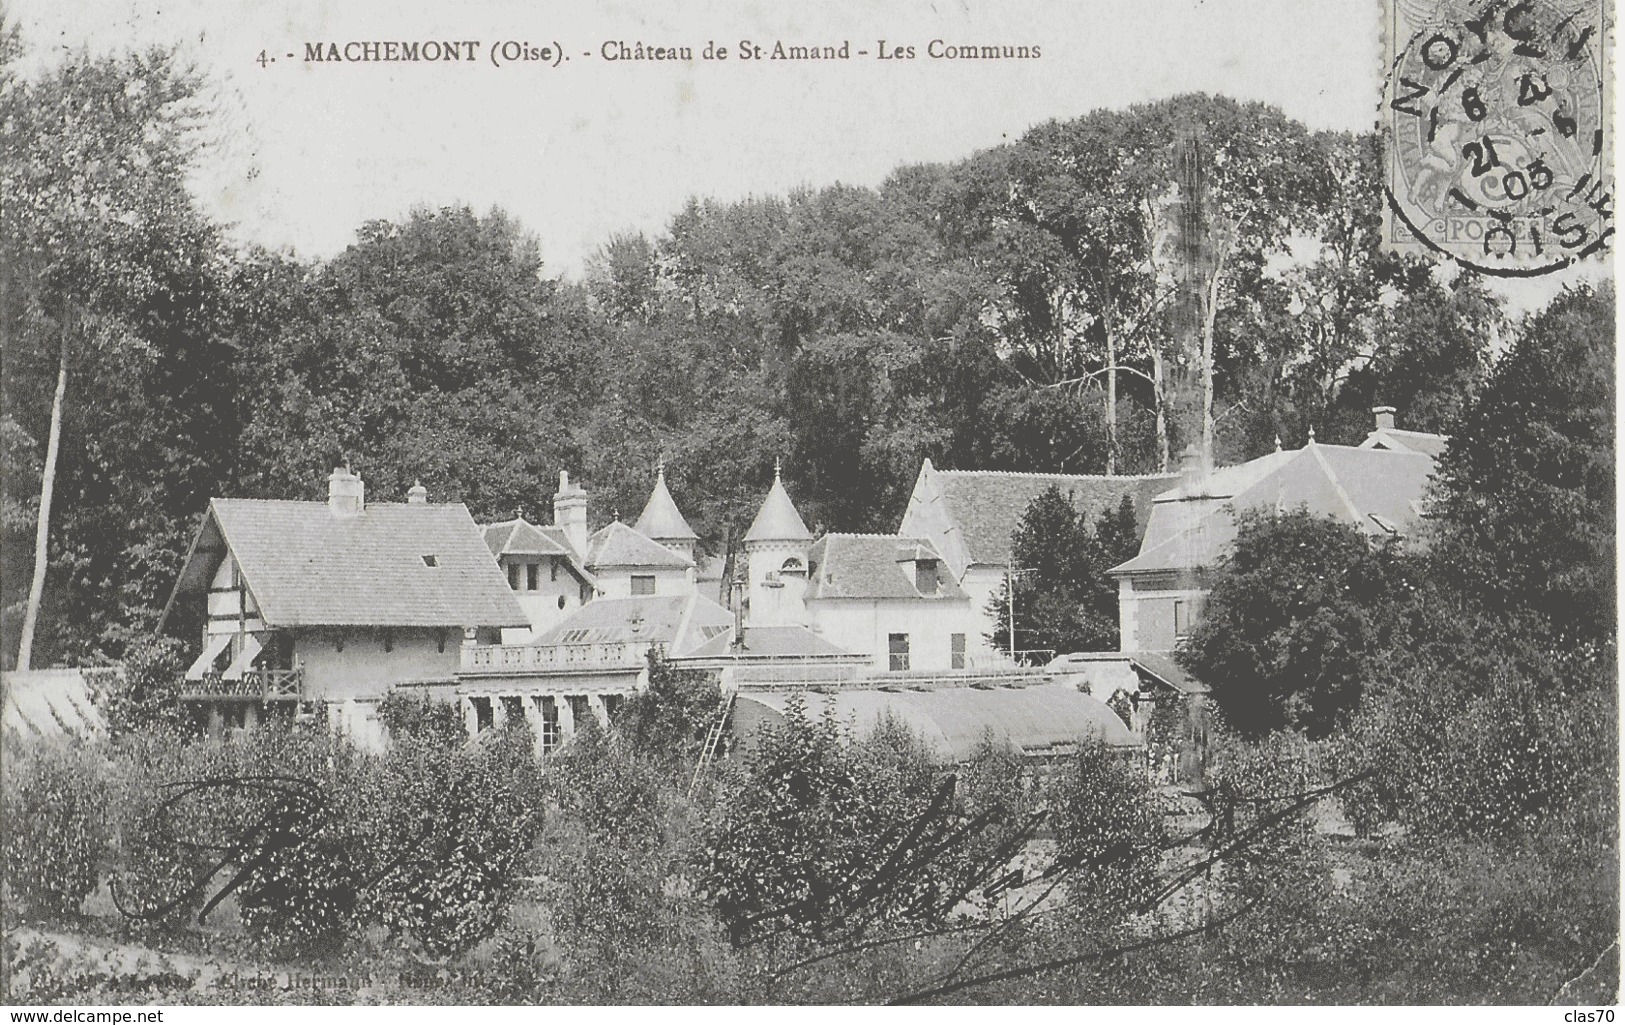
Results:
x,y
1497,133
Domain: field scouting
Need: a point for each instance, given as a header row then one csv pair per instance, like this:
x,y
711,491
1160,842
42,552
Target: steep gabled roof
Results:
x,y
661,519
1375,490
874,566
987,505
518,537
619,546
394,564
777,519
521,538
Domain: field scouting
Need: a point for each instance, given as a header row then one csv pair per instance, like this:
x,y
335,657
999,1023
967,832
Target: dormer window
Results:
x,y
431,561
925,576
791,565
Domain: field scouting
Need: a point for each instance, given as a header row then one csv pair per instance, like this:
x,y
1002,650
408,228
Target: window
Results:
x,y
561,603
1182,618
430,561
956,651
483,718
554,563
550,722
513,710
440,640
897,646
513,575
580,709
389,640
533,576
642,585
612,705
925,576
586,593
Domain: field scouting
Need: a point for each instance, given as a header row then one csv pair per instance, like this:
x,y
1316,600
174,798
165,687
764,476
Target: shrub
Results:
x,y
147,697
439,723
53,800
1107,819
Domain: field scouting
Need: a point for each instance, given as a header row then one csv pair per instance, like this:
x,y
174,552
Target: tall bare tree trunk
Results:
x,y
1111,401
1164,456
42,532
1209,316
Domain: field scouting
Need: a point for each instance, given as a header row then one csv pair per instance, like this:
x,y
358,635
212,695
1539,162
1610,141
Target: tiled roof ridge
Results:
x,y
892,537
1059,476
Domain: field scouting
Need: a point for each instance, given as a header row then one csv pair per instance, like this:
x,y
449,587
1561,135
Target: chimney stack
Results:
x,y
418,495
570,512
1385,417
346,496
1192,475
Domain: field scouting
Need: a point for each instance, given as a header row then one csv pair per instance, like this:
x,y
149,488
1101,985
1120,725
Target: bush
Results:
x,y
1107,819
438,723
148,695
54,802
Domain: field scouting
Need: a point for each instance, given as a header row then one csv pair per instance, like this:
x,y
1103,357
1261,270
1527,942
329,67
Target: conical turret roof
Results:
x,y
777,520
661,519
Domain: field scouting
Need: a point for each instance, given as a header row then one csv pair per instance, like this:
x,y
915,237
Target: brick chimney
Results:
x,y
1385,417
346,496
418,495
570,512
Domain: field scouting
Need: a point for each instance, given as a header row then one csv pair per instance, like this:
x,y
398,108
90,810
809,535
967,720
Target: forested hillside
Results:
x,y
1018,309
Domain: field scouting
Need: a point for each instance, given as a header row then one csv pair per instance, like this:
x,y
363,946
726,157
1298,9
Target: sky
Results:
x,y
303,153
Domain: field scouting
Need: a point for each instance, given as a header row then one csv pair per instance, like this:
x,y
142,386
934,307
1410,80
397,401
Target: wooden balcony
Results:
x,y
255,685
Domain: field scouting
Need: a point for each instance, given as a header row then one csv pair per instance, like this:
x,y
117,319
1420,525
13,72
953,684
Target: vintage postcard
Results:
x,y
726,503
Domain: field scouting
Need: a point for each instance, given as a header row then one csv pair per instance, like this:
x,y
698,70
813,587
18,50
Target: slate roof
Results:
x,y
306,566
620,545
988,504
874,566
520,537
678,621
1407,441
777,519
765,641
661,519
1378,491
955,721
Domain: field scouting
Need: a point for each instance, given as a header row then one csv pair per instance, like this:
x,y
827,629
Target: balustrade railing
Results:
x,y
507,658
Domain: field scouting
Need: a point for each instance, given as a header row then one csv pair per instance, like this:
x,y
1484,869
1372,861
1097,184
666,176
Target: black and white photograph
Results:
x,y
719,503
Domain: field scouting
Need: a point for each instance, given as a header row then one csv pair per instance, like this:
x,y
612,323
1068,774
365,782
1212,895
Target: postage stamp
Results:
x,y
1498,132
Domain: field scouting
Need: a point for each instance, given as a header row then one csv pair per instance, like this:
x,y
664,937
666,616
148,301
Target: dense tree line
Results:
x,y
1024,308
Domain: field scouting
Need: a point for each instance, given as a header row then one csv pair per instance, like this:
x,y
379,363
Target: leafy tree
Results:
x,y
1064,601
820,840
667,720
431,350
1299,606
111,288
1108,821
1525,508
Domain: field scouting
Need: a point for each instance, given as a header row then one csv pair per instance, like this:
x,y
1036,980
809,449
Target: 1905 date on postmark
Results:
x,y
1498,131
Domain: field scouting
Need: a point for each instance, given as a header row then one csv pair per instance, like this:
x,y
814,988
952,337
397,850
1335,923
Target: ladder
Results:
x,y
713,739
